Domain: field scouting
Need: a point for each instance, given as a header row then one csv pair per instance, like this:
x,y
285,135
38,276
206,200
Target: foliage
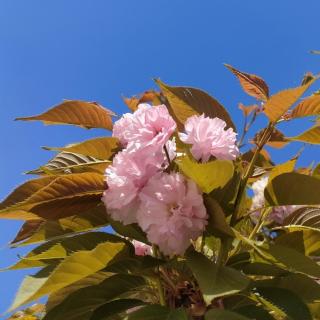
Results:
x,y
256,257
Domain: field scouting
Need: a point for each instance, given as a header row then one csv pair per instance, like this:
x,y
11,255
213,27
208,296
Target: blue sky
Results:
x,y
97,50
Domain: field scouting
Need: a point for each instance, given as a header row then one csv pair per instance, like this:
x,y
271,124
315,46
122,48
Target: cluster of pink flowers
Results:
x,y
209,138
168,207
278,214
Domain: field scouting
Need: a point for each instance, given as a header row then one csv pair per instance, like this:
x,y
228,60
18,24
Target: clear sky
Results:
x,y
97,50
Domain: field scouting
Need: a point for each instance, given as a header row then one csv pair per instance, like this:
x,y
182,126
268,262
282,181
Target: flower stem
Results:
x,y
243,185
162,299
260,222
167,154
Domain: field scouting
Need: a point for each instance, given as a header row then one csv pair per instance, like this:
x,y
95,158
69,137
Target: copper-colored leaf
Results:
x,y
68,162
148,96
263,160
307,107
100,148
27,230
75,112
62,197
186,102
277,139
282,101
52,229
251,84
247,110
20,194
311,136
307,77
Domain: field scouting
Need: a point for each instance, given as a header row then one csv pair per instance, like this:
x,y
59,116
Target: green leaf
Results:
x,y
99,148
303,286
67,162
142,266
254,312
115,307
220,314
59,296
132,231
186,102
75,267
218,225
62,197
294,260
157,312
208,176
281,102
75,112
215,281
304,190
251,84
285,301
81,304
262,269
311,136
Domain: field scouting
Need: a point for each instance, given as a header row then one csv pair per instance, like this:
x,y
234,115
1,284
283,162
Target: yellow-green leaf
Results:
x,y
75,112
60,295
210,175
75,267
311,136
282,101
186,102
81,304
251,84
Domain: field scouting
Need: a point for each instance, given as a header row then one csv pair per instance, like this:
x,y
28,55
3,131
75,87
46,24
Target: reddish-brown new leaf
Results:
x,y
251,84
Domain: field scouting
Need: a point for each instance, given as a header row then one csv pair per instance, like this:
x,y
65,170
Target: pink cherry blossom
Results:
x,y
171,212
127,175
210,138
141,249
147,125
279,213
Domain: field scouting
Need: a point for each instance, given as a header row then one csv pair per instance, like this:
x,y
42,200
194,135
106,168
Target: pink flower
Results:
x,y
209,138
258,192
279,213
171,212
127,175
147,125
141,249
